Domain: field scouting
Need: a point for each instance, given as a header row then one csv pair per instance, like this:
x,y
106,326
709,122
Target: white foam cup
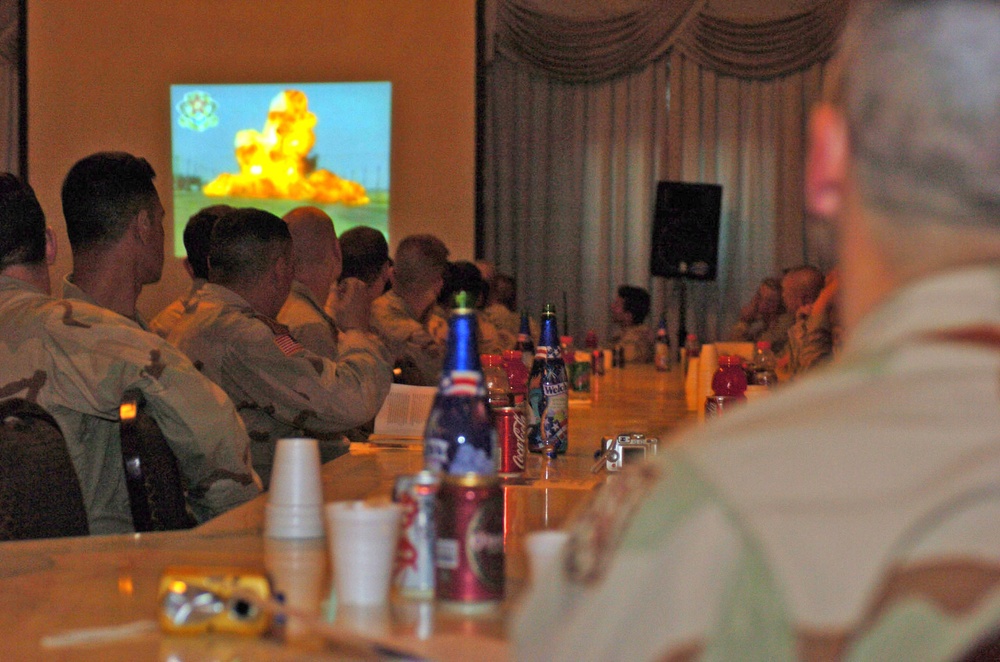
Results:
x,y
295,498
363,539
545,550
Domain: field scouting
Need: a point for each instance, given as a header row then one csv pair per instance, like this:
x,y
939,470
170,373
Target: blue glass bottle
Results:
x,y
525,344
548,392
460,437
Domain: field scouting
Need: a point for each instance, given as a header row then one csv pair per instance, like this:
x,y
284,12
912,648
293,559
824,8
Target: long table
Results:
x,y
59,592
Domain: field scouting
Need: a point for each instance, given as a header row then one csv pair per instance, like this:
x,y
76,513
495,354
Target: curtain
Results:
x,y
9,87
578,131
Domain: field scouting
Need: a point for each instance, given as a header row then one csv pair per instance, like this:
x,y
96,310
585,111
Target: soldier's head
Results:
x,y
800,286
419,267
22,224
463,276
109,198
318,259
631,306
503,290
366,257
904,155
197,239
251,254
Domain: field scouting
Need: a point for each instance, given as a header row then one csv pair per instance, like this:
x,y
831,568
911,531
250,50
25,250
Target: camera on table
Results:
x,y
627,449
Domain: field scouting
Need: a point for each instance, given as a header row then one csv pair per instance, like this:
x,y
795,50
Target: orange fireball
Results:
x,y
274,164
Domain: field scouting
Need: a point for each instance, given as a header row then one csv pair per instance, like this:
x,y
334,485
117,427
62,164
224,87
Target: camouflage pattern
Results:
x,y
167,318
489,338
70,290
505,320
76,360
281,388
308,322
417,347
638,343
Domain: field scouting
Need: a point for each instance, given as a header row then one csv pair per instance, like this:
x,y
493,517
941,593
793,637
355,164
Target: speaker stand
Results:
x,y
681,313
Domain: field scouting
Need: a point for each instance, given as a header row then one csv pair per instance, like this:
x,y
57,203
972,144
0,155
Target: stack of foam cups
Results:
x,y
295,498
691,384
708,363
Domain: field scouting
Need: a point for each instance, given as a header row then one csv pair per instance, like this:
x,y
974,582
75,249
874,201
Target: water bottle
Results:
x,y
459,437
764,365
548,392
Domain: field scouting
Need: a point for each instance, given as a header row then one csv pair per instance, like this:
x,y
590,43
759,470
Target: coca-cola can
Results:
x,y
469,553
414,566
512,441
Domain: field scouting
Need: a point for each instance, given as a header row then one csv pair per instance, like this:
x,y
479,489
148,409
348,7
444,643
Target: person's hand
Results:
x,y
354,305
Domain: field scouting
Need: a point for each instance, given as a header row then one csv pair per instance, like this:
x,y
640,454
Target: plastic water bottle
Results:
x,y
764,365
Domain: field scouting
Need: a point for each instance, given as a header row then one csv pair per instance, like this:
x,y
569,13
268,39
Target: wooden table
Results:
x,y
55,586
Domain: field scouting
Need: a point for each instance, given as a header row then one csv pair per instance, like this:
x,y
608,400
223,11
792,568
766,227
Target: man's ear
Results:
x,y
826,162
51,246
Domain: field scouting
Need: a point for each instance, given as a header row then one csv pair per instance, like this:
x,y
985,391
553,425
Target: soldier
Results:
x,y
366,257
318,265
77,360
115,224
629,311
403,316
281,388
196,237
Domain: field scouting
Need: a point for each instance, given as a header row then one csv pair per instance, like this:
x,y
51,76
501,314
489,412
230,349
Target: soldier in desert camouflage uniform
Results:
x,y
77,360
197,233
280,388
403,316
629,311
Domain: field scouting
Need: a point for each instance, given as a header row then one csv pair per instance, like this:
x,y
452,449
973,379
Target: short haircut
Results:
x,y
198,237
365,251
920,84
245,244
22,224
420,260
636,302
102,193
463,276
503,290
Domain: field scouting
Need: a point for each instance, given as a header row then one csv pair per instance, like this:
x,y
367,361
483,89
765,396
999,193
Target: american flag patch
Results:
x,y
287,344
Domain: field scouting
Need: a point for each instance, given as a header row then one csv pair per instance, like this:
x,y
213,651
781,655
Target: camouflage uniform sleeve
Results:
x,y
414,348
199,422
302,389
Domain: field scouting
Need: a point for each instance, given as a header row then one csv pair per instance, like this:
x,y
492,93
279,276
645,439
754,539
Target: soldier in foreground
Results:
x,y
77,360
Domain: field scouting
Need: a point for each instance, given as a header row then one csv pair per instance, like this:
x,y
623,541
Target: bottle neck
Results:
x,y
462,353
549,336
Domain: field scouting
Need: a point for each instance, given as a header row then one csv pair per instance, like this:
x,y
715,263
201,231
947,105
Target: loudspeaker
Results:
x,y
686,230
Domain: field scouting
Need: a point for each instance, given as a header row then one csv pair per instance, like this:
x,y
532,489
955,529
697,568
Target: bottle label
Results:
x,y
463,383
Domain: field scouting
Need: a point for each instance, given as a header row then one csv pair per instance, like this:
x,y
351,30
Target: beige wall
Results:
x,y
99,74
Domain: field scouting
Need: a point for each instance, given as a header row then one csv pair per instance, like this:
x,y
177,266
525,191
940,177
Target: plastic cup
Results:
x,y
363,539
545,550
295,499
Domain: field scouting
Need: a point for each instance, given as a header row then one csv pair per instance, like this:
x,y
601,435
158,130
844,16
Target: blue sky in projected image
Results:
x,y
352,129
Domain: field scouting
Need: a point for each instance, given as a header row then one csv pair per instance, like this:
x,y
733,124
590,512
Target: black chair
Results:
x,y
40,494
155,487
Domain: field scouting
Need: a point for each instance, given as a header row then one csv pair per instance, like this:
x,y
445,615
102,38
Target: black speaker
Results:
x,y
686,230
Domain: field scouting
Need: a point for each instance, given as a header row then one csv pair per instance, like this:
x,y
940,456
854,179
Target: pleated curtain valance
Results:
x,y
579,41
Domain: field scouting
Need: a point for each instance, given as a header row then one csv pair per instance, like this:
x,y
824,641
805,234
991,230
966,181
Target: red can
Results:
x,y
512,439
469,552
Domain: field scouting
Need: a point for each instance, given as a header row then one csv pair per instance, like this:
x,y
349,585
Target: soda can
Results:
x,y
512,440
717,405
414,565
469,552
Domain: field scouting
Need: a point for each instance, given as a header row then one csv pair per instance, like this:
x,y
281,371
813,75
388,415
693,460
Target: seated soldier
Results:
x,y
629,311
77,361
403,317
196,236
280,388
465,276
366,257
763,317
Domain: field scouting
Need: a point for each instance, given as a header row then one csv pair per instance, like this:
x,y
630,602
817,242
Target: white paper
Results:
x,y
404,412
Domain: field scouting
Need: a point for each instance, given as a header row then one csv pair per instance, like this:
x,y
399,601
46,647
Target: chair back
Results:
x,y
40,494
155,488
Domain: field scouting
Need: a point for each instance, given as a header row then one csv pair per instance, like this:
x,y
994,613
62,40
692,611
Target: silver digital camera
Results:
x,y
628,448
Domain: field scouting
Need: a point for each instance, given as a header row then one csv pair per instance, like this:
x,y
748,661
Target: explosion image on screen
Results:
x,y
274,163
280,146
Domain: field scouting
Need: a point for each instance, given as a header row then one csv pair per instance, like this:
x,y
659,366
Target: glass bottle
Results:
x,y
459,437
524,343
548,393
